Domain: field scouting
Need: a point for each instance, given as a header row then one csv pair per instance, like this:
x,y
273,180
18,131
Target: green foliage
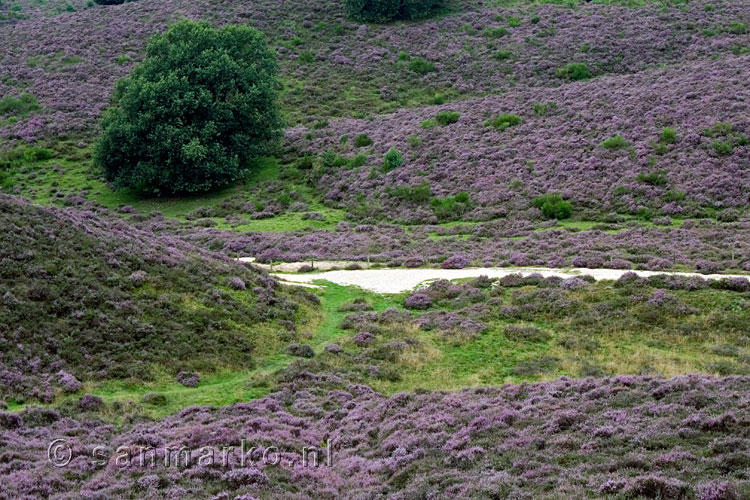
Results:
x,y
307,57
504,121
383,11
574,72
553,206
737,28
392,160
413,194
451,207
194,113
722,148
498,32
668,135
615,142
654,178
421,66
447,117
358,161
362,140
503,54
21,106
111,2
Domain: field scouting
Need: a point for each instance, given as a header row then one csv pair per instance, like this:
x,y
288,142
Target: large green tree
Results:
x,y
196,111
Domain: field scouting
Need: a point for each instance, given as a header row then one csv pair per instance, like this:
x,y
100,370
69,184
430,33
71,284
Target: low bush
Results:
x,y
615,142
413,194
447,117
504,121
421,66
451,207
498,32
668,136
362,140
20,106
383,11
392,160
574,72
553,206
654,178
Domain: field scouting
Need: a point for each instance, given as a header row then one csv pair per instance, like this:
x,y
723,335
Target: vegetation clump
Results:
x,y
447,117
553,206
504,121
615,142
362,140
574,72
392,160
383,11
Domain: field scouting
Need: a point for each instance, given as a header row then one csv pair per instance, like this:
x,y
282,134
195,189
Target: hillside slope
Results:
x,y
620,437
88,297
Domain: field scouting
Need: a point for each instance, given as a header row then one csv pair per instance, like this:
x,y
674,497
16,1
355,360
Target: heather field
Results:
x,y
142,154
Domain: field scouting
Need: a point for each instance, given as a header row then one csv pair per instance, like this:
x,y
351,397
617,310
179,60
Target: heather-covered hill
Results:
x,y
620,437
85,296
561,141
333,67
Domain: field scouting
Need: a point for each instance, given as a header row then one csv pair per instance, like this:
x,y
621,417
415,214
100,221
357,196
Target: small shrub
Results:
x,y
68,382
504,121
35,153
553,206
451,207
189,379
110,2
498,32
383,11
447,117
362,140
418,300
654,178
455,262
737,28
236,283
722,148
421,66
503,54
307,57
20,106
574,72
301,350
357,161
89,402
392,160
668,136
615,142
413,194
414,141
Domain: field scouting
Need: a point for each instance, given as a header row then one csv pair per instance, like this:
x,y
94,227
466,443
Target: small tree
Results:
x,y
194,113
383,11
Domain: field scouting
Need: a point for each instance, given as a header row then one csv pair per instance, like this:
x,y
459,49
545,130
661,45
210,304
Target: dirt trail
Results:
x,y
395,280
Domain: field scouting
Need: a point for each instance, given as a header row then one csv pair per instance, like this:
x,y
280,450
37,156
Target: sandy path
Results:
x,y
400,280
